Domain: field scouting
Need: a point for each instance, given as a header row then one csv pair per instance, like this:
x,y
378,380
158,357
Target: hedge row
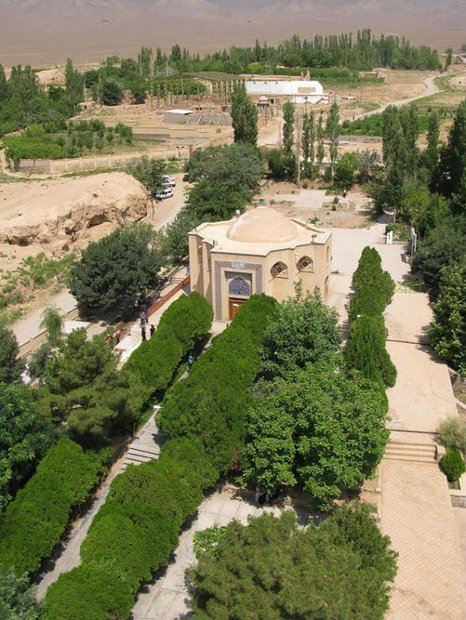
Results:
x,y
34,522
137,529
183,325
373,286
209,406
366,348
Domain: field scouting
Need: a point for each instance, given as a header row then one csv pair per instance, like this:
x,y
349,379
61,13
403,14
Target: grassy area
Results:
x,y
34,273
373,125
366,106
60,140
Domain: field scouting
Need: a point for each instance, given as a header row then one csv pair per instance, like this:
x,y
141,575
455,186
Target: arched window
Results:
x,y
305,264
279,269
239,286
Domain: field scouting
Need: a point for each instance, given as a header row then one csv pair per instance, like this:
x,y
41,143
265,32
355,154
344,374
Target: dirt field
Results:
x,y
315,206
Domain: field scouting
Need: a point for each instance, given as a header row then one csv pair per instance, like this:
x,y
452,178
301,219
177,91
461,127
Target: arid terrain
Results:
x,y
40,32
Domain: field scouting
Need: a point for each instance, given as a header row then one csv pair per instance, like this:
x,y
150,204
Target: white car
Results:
x,y
168,181
167,192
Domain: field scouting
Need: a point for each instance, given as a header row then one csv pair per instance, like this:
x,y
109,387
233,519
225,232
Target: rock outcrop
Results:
x,y
70,211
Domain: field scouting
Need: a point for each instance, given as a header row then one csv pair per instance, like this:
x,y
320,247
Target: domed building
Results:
x,y
261,251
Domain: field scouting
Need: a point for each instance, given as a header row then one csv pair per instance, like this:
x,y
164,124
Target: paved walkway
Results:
x,y
415,506
29,326
418,517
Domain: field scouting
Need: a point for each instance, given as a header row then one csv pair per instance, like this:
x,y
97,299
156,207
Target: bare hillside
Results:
x,y
90,29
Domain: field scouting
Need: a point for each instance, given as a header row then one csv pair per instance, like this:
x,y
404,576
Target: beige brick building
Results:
x,y
260,251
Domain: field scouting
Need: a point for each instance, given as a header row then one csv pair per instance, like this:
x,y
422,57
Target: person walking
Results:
x,y
143,333
151,329
190,362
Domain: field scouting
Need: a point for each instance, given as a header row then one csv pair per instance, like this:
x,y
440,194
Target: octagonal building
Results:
x,y
260,251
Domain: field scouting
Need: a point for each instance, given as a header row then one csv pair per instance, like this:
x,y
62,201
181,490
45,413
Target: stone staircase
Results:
x,y
413,452
146,446
138,455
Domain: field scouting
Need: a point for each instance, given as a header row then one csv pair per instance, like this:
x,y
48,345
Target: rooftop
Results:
x,y
258,232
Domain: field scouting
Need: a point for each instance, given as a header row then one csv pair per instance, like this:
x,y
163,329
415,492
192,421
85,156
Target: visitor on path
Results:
x,y
142,319
190,362
143,333
152,330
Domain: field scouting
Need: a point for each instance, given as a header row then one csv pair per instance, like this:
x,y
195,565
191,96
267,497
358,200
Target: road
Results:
x,y
431,89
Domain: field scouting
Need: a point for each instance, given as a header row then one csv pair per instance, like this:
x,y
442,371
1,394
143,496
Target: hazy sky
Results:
x,y
46,31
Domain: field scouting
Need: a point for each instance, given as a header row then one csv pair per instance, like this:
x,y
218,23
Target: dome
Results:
x,y
262,225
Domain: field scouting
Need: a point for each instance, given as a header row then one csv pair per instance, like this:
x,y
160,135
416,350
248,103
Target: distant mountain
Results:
x,y
44,31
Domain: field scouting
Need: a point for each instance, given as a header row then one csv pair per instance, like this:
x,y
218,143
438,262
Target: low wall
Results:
x,y
27,347
79,164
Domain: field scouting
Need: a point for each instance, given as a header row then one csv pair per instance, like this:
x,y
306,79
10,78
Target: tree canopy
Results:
x,y
25,437
304,330
244,116
17,598
322,424
83,389
273,569
10,366
114,271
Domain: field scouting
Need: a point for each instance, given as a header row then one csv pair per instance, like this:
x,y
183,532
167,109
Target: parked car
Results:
x,y
167,192
168,181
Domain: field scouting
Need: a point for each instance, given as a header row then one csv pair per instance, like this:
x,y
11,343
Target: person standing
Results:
x,y
151,329
143,333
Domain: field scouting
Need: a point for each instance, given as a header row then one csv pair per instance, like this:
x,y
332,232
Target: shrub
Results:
x,y
209,406
35,521
182,326
366,350
85,591
138,527
452,465
452,433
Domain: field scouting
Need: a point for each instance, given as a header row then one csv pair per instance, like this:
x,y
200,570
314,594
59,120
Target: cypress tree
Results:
x,y
244,115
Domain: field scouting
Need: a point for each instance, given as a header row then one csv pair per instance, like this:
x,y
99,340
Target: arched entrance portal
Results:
x,y
239,291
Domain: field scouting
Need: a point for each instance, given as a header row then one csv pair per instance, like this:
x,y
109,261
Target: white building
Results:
x,y
298,91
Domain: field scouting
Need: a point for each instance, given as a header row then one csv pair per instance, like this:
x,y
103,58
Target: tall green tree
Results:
x,y
149,171
308,144
288,128
25,437
431,153
74,83
83,389
17,597
447,333
272,568
320,152
452,163
332,129
114,271
244,116
287,160
3,84
52,322
10,366
329,431
304,330
345,171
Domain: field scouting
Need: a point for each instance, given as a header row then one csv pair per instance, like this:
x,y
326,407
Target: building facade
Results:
x,y
260,251
298,91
